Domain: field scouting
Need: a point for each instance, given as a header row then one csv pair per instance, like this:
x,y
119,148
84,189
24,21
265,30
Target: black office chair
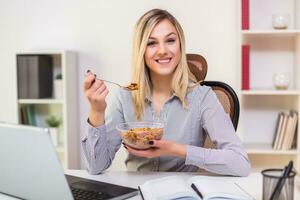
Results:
x,y
225,93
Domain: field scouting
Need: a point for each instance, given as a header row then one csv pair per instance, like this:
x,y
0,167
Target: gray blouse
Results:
x,y
182,125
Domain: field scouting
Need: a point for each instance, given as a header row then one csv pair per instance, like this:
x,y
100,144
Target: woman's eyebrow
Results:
x,y
172,33
154,38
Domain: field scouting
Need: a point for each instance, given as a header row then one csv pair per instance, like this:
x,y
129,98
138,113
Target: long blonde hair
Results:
x,y
182,74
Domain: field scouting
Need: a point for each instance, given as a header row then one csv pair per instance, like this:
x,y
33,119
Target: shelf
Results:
x,y
261,148
60,149
42,52
271,32
270,92
40,101
36,110
265,52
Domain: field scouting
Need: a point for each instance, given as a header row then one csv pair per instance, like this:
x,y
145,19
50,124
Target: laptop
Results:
x,y
30,169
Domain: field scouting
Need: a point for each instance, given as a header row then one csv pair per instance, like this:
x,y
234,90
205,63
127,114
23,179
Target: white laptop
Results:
x,y
30,169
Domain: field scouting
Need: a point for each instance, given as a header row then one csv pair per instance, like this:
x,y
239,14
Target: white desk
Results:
x,y
252,184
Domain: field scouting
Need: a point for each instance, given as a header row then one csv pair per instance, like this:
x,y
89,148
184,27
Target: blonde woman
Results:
x,y
161,71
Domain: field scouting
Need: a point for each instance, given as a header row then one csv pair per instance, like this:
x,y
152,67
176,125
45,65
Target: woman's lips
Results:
x,y
164,61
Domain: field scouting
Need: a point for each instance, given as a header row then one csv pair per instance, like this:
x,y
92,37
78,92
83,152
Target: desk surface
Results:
x,y
252,184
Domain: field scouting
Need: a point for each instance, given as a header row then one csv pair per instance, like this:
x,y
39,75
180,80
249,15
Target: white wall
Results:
x,y
100,31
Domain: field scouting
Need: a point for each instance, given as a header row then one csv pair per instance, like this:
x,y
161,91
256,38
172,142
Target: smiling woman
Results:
x,y
159,58
163,50
160,69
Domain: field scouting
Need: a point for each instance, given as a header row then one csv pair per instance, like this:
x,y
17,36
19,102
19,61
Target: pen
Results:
x,y
141,193
197,191
281,181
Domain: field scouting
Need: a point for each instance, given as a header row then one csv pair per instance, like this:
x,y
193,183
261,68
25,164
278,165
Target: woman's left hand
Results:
x,y
160,148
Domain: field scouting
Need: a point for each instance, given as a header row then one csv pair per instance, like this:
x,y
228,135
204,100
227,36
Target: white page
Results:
x,y
171,187
214,187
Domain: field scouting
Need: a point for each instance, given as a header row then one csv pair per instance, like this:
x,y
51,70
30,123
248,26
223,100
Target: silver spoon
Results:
x,y
131,87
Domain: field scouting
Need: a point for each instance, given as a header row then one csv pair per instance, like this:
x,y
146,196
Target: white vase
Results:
x,y
281,81
54,135
58,89
280,21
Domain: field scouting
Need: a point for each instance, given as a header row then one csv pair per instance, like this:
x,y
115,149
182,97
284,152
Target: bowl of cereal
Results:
x,y
138,134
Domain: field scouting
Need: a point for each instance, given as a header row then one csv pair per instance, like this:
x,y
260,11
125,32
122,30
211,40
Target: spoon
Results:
x,y
134,86
131,87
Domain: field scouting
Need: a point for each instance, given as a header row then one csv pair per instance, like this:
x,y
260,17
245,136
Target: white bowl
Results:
x,y
138,134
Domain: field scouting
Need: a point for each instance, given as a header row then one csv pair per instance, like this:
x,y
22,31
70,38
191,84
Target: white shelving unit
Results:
x,y
40,101
64,62
266,149
270,32
270,92
271,51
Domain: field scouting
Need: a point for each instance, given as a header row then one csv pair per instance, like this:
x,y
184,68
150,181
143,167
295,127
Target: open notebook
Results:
x,y
196,188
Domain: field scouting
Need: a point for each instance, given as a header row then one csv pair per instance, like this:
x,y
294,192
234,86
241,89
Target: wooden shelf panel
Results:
x,y
261,148
42,52
288,32
270,92
60,149
40,101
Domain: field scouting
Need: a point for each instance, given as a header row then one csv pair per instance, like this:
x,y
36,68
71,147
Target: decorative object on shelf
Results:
x,y
245,15
280,21
281,81
245,67
58,87
53,123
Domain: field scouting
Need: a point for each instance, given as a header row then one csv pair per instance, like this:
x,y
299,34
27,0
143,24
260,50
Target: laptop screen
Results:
x,y
30,168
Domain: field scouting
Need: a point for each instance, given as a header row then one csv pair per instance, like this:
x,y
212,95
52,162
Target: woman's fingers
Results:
x,y
98,84
95,91
89,80
104,94
100,89
100,96
148,153
158,143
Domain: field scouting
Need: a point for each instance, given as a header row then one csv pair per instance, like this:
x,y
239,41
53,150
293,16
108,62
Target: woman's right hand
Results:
x,y
96,92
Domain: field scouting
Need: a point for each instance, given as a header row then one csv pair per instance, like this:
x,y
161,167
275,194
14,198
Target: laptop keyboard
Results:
x,y
80,194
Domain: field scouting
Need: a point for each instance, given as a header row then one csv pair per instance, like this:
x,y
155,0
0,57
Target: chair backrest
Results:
x,y
227,98
226,95
197,65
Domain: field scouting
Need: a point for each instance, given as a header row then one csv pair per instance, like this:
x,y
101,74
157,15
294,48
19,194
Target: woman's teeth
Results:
x,y
163,61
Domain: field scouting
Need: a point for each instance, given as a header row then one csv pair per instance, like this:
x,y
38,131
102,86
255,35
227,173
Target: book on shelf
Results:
x,y
285,132
245,67
35,76
278,129
282,131
245,14
23,77
27,115
290,130
23,115
195,188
